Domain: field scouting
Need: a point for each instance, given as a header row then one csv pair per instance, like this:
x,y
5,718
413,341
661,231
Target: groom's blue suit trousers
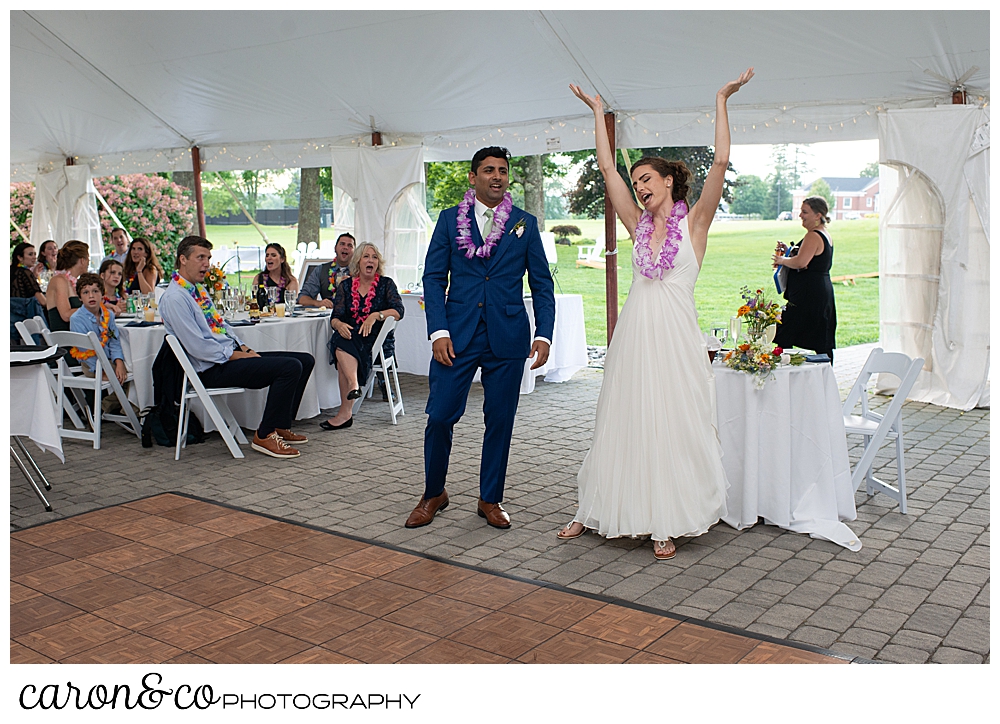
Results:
x,y
449,392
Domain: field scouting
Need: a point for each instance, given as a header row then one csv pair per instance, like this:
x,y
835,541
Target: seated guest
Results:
x,y
60,296
276,272
114,291
222,360
320,288
95,316
142,270
23,282
47,254
363,302
119,242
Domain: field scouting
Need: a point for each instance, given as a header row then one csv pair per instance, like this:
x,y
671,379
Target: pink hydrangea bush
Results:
x,y
148,206
22,198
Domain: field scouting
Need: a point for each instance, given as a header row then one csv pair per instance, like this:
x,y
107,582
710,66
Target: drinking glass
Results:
x,y
272,296
290,297
720,334
735,327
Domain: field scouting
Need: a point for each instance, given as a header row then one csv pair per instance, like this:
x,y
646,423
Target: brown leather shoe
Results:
x,y
426,510
274,446
494,513
291,437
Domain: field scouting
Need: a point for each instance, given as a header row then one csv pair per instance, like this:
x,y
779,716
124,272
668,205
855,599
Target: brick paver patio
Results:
x,y
917,592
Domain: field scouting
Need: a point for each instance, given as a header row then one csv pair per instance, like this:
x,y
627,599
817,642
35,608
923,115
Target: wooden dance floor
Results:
x,y
172,579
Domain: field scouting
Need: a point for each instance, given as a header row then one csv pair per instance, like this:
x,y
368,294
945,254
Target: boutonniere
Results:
x,y
518,228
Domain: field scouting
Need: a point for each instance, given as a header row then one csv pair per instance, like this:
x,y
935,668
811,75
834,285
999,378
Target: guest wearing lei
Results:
x,y
60,296
47,255
320,287
95,316
23,282
655,464
223,360
363,303
276,272
114,290
142,271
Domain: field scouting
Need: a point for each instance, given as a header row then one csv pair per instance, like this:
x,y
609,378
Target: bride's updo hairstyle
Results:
x,y
677,169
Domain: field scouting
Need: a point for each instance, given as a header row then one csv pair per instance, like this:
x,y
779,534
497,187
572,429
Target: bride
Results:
x,y
655,465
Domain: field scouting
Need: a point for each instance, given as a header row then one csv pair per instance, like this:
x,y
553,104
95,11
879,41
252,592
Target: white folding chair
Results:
x,y
33,326
385,365
219,411
875,427
591,252
67,379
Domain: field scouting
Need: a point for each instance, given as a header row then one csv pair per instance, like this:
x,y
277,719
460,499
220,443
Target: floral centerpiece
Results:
x,y
758,312
755,359
215,282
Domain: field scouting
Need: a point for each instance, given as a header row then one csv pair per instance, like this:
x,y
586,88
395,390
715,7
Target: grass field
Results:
x,y
739,253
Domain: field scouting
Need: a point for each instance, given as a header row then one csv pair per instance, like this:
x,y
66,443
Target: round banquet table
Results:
x,y
785,452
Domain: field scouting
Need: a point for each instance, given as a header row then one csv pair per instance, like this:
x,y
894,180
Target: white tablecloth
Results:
x,y
33,409
567,356
785,452
140,346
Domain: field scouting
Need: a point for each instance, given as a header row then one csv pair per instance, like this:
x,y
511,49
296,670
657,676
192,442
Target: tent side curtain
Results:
x,y
934,251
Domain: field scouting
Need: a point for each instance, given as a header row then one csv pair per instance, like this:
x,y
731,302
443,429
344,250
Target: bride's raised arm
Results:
x,y
617,189
703,211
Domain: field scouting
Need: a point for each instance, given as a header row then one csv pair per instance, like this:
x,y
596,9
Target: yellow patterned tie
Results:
x,y
488,225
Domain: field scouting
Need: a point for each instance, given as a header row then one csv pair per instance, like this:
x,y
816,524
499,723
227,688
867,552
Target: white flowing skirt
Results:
x,y
655,466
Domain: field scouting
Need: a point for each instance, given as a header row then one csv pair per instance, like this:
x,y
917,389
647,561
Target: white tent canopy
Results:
x,y
133,91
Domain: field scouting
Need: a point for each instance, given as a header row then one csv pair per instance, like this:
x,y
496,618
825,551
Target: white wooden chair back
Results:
x,y
387,366
35,325
68,380
877,427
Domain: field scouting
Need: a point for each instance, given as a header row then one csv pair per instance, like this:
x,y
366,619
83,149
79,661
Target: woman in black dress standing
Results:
x,y
362,303
810,318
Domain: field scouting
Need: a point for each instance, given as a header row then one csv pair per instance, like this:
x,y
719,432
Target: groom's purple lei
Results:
x,y
465,232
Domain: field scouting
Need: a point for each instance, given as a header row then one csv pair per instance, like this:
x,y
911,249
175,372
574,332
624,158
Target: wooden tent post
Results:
x,y
610,243
199,201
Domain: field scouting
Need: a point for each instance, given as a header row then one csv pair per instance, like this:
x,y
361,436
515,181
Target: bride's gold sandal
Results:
x,y
565,535
661,552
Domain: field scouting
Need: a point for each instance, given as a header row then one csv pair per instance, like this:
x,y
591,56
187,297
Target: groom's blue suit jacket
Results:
x,y
488,288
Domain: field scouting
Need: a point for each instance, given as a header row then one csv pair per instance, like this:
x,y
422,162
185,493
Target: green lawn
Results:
x,y
739,253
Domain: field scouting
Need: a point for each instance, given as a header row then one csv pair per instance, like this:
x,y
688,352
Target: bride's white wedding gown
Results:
x,y
655,466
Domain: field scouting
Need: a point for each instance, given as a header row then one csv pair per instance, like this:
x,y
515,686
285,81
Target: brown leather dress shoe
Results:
x,y
291,437
426,510
494,513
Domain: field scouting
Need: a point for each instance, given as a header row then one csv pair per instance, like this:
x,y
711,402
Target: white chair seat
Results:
x,y
876,428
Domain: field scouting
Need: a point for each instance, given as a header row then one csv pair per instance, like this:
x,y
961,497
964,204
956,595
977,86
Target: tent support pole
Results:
x,y
610,244
198,199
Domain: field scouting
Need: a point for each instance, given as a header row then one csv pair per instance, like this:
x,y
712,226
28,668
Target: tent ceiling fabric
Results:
x,y
132,91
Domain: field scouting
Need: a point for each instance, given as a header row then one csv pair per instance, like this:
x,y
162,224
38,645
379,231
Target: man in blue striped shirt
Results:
x,y
223,360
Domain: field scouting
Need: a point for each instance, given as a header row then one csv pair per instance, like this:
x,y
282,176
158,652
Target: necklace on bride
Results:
x,y
648,267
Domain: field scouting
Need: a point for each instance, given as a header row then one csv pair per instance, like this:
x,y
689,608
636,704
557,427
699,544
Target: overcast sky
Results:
x,y
836,158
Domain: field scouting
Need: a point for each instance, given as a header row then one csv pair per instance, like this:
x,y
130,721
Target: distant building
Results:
x,y
853,197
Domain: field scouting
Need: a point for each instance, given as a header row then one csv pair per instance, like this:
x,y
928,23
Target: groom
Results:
x,y
479,253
